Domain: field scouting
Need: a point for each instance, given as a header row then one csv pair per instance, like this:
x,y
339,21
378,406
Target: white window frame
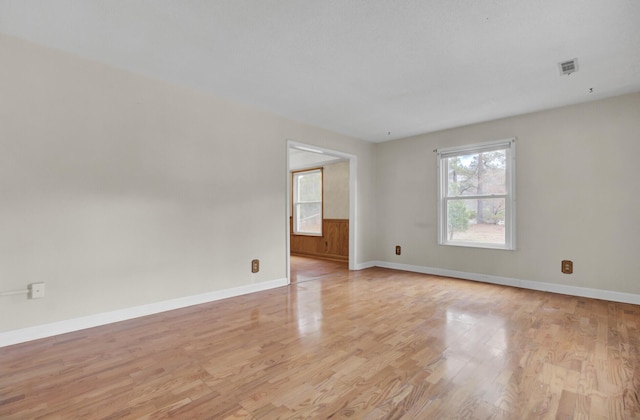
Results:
x,y
295,195
510,197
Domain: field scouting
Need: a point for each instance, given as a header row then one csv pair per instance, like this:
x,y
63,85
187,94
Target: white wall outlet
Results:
x,y
37,290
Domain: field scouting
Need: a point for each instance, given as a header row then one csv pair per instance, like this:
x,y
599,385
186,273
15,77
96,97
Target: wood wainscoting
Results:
x,y
333,244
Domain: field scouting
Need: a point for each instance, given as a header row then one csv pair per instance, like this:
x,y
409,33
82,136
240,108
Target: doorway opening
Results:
x,y
331,248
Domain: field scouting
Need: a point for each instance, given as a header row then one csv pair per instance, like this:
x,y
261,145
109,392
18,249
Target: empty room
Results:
x,y
319,209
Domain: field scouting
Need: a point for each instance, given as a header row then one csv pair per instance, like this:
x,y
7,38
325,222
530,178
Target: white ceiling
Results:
x,y
359,67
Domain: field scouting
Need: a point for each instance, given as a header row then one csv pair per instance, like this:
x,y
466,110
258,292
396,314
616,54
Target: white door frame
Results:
x,y
353,170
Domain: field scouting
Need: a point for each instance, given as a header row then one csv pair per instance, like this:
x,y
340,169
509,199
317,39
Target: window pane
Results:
x,y
461,172
476,221
309,186
477,174
307,202
309,218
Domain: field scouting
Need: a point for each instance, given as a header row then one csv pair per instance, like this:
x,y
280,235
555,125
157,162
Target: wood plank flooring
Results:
x,y
375,344
307,268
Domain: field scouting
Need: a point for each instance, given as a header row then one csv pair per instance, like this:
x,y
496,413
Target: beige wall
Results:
x,y
577,197
336,190
118,190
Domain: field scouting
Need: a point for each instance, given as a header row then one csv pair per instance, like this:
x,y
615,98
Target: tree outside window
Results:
x,y
476,195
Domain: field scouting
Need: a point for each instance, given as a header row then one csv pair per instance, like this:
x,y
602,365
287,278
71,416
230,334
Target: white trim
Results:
x,y
61,327
475,148
365,265
308,149
287,210
295,187
610,295
353,206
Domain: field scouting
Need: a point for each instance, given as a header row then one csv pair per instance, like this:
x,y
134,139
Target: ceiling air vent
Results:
x,y
569,66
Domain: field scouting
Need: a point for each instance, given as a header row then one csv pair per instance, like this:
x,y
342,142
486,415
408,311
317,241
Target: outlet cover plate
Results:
x,y
37,290
567,266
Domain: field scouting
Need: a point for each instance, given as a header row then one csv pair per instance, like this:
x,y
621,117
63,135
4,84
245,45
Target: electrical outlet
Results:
x,y
567,266
398,250
37,290
255,266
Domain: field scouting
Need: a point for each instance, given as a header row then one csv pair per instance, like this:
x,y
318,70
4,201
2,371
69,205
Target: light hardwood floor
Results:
x,y
306,268
375,344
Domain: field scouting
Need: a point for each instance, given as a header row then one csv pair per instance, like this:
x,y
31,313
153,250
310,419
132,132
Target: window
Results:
x,y
307,202
476,188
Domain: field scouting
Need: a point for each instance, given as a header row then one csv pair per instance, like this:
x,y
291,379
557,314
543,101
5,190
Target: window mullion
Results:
x,y
476,197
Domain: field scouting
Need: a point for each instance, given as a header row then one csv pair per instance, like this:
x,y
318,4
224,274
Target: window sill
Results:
x,y
476,245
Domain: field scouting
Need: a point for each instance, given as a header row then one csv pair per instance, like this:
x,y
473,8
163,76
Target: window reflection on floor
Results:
x,y
306,307
307,299
461,323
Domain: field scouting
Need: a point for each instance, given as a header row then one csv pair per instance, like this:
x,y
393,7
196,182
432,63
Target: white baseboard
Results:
x,y
47,330
524,284
61,327
364,265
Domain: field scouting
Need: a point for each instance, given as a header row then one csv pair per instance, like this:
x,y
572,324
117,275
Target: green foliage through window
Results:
x,y
476,186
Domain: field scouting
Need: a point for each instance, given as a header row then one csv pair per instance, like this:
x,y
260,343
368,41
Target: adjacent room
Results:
x,y
303,209
319,221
